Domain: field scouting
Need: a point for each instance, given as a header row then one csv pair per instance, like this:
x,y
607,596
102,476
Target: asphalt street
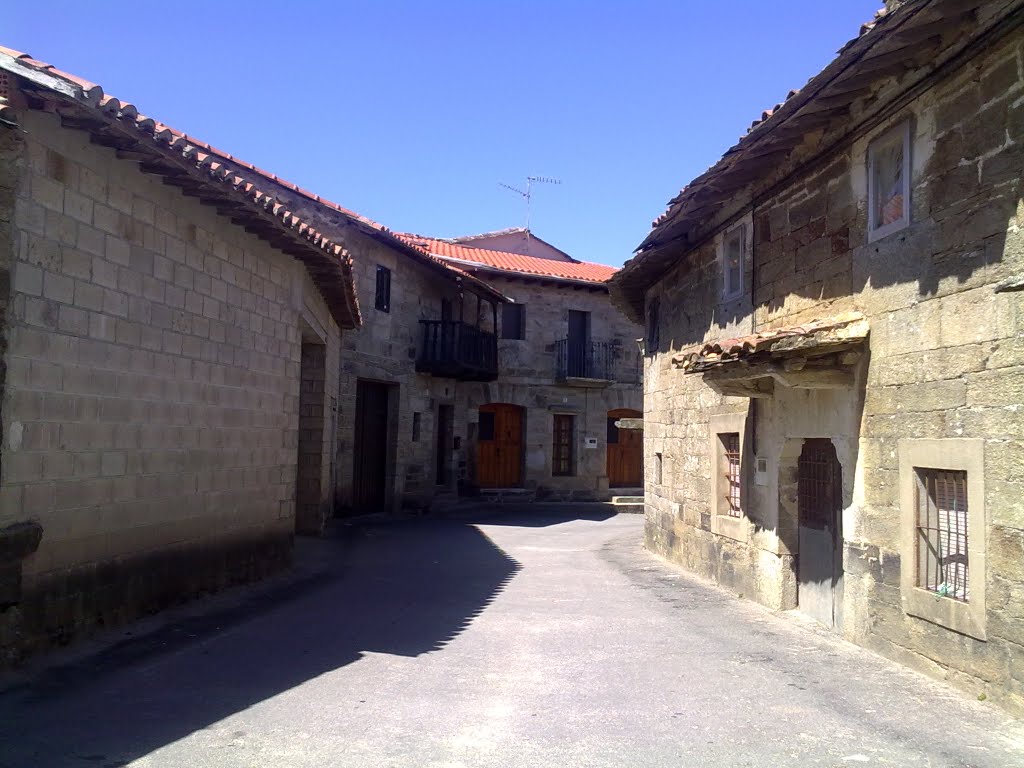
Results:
x,y
532,637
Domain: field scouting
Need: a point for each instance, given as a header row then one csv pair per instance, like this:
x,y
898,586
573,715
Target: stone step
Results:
x,y
628,505
628,499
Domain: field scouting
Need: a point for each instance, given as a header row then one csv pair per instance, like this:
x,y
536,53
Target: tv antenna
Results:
x,y
530,181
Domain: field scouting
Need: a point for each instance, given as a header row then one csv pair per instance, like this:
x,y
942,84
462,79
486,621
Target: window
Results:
x,y
562,445
889,182
613,431
726,492
942,517
653,325
486,429
382,299
733,248
942,554
513,317
416,427
731,465
658,461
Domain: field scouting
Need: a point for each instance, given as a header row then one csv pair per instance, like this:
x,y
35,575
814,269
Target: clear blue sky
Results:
x,y
412,112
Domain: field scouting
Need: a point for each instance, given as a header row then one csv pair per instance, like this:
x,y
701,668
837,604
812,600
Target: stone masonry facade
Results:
x,y
151,408
942,380
528,379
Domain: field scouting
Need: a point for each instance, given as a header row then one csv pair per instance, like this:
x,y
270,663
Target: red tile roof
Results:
x,y
515,263
241,174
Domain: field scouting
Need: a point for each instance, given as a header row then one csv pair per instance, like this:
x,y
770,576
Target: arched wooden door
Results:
x,y
625,451
499,446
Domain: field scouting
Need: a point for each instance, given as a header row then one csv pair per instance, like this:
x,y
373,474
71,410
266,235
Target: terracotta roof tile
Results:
x,y
518,263
851,327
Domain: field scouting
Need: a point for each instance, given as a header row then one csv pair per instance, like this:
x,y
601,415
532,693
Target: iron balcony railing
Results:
x,y
454,349
583,360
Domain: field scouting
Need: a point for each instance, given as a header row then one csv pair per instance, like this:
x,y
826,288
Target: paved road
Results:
x,y
523,639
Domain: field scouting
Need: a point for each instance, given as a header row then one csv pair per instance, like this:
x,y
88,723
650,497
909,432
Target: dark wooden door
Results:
x,y
578,343
625,451
819,537
499,447
370,450
444,447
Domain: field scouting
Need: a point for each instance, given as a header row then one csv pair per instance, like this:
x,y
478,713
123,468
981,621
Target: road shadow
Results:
x,y
541,514
404,589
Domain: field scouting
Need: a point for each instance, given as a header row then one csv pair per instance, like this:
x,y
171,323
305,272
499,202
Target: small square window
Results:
x,y
513,321
889,182
382,299
562,445
733,262
653,325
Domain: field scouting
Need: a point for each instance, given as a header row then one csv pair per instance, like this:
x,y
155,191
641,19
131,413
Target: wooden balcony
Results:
x,y
456,350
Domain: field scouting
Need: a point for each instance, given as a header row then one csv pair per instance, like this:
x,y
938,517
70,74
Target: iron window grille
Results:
x,y
382,298
562,445
731,454
941,504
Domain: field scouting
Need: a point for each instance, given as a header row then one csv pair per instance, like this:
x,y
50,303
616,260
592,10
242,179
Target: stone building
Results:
x,y
568,370
171,340
835,334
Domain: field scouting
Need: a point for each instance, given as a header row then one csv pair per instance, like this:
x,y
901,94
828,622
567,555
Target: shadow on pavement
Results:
x,y
541,514
399,589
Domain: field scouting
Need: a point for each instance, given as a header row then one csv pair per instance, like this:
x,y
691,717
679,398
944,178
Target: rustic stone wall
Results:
x,y
527,379
945,361
150,415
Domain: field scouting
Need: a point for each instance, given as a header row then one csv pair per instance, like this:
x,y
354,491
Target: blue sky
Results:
x,y
411,113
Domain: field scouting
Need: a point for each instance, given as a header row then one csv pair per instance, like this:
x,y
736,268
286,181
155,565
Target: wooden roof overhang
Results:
x,y
911,46
819,355
170,155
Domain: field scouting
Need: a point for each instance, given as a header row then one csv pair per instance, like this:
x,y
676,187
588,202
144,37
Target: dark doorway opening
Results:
x,y
820,505
370,461
578,344
445,436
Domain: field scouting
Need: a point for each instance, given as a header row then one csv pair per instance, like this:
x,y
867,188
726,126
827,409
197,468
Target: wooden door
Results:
x,y
819,538
370,449
499,447
625,451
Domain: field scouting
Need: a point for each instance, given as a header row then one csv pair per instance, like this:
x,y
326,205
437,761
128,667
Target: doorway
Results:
x,y
310,505
625,462
444,446
578,344
499,446
370,461
819,533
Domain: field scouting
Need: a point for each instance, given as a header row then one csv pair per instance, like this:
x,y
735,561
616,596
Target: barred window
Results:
x,y
941,503
562,445
731,464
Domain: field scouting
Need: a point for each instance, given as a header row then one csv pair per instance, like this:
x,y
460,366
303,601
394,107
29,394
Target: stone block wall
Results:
x,y
151,409
945,362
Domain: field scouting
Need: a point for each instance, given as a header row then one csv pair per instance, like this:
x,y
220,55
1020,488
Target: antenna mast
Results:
x,y
528,194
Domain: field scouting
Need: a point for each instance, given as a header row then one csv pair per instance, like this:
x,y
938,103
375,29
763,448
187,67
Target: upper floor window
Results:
x,y
733,249
653,325
889,182
513,321
382,299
